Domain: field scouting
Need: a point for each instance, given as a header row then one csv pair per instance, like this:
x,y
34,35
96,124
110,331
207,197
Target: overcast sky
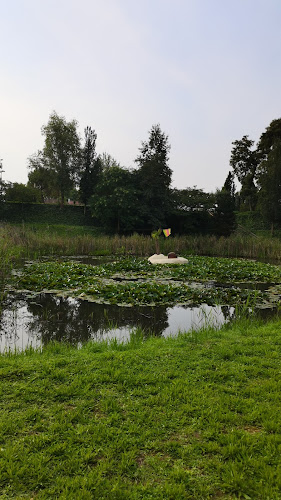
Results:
x,y
208,71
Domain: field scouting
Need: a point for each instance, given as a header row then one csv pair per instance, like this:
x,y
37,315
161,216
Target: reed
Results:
x,y
24,241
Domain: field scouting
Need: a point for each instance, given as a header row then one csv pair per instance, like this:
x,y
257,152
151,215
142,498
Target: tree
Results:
x,y
62,152
224,215
229,186
244,161
18,192
113,203
191,209
91,166
42,178
270,186
154,178
267,140
192,200
108,161
248,195
268,173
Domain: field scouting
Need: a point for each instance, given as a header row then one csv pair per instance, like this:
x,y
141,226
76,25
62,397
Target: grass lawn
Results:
x,y
194,417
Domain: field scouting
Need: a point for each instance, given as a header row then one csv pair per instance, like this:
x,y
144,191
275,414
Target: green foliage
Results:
x,y
107,161
192,211
270,186
251,221
259,166
137,282
41,177
21,193
154,179
156,234
229,184
267,140
248,194
224,221
194,417
114,202
244,161
192,199
91,166
61,152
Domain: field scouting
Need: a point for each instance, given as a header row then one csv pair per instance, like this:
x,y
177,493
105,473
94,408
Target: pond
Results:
x,y
36,321
98,299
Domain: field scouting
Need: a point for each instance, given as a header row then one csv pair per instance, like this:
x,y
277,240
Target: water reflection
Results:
x,y
57,318
36,321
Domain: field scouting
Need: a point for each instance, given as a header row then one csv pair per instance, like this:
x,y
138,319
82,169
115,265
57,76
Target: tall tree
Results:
x,y
244,161
61,152
269,173
224,215
270,186
114,200
41,177
267,140
154,175
91,166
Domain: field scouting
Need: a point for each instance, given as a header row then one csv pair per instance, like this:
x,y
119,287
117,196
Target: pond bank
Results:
x,y
195,416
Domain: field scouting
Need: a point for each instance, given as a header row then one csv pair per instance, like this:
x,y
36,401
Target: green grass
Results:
x,y
193,417
62,229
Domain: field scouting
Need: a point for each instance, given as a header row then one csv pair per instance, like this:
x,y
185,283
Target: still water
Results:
x,y
38,320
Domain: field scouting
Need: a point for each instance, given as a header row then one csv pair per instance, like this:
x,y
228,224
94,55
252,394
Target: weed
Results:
x,y
134,281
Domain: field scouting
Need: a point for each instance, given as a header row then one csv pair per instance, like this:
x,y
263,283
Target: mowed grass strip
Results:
x,y
193,417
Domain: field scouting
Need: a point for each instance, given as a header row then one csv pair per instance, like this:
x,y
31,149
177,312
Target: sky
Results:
x,y
208,71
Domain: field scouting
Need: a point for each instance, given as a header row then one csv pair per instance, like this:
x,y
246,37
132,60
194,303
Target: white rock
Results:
x,y
163,259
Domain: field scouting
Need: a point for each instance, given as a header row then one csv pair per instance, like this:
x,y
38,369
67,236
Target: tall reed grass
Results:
x,y
24,241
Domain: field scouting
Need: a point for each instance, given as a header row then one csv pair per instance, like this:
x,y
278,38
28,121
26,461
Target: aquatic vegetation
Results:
x,y
134,281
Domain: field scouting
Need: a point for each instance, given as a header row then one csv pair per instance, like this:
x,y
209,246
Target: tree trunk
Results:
x,y
61,198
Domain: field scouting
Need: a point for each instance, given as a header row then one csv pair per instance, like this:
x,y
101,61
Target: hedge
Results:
x,y
37,213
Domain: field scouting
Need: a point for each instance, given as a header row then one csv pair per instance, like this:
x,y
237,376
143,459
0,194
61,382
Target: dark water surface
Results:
x,y
36,321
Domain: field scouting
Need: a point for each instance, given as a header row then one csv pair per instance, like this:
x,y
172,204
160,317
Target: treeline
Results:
x,y
258,169
141,199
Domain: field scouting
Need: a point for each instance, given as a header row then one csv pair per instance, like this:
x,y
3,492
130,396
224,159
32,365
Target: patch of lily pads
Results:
x,y
134,281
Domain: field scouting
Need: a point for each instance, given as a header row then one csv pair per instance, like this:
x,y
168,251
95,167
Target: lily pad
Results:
x,y
134,281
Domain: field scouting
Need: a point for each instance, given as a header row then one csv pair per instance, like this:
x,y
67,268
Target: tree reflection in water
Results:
x,y
43,318
54,318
